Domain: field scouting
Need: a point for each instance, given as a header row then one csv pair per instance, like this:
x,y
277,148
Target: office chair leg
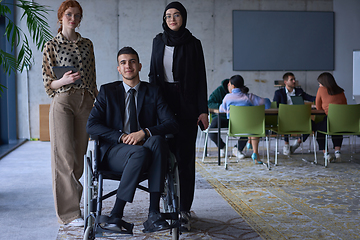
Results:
x,y
326,150
205,146
268,153
276,150
314,149
226,152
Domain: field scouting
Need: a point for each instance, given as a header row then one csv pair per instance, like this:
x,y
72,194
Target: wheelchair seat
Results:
x,y
94,175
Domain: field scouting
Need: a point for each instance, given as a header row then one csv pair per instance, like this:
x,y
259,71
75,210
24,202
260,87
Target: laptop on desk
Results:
x,y
297,100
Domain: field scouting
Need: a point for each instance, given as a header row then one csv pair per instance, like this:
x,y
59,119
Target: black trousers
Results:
x,y
320,138
183,146
225,123
134,160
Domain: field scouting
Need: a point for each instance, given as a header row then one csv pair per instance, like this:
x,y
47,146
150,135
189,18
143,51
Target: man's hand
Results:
x,y
204,119
134,138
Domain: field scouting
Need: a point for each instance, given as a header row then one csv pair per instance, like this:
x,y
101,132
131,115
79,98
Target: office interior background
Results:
x,y
112,24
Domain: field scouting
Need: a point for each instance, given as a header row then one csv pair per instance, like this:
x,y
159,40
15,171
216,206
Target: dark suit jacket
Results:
x,y
106,119
280,95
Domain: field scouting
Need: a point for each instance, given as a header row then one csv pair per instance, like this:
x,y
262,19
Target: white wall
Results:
x,y
112,24
347,39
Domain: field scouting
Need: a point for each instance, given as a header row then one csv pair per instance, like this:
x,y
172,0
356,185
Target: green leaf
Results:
x,y
25,54
8,30
39,30
15,36
4,10
8,62
2,87
36,22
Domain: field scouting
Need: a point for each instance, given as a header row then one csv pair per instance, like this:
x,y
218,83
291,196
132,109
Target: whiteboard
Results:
x,y
356,73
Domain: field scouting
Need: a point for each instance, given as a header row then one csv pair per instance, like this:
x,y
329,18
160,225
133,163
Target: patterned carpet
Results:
x,y
210,220
212,217
294,200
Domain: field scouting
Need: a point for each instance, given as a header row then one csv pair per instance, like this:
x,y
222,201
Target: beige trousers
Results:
x,y
69,112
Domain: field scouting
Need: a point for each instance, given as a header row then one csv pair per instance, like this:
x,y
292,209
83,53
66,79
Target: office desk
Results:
x,y
274,111
270,111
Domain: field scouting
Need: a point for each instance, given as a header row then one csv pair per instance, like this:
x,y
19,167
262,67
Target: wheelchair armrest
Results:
x,y
94,137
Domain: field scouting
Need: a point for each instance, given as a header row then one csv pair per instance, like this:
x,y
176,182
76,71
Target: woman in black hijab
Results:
x,y
178,67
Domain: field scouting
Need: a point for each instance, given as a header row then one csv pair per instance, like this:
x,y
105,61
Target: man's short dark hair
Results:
x,y
128,50
287,75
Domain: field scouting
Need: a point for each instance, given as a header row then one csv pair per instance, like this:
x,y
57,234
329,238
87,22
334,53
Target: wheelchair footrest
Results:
x,y
170,216
174,218
104,224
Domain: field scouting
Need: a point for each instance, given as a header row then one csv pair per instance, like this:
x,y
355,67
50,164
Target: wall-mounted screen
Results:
x,y
283,40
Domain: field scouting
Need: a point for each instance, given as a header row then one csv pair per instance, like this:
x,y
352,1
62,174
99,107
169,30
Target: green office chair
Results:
x,y
206,133
293,119
342,119
317,119
273,104
271,122
247,121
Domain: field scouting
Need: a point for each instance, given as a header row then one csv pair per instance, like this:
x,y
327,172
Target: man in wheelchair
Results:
x,y
131,119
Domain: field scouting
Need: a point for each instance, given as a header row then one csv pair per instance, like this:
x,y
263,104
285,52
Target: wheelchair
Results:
x,y
94,176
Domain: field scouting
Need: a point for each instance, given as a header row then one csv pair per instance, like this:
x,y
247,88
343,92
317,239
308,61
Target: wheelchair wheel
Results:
x,y
89,191
89,233
170,200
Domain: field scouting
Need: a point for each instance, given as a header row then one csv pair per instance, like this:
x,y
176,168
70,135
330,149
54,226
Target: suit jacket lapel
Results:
x,y
121,99
140,98
284,95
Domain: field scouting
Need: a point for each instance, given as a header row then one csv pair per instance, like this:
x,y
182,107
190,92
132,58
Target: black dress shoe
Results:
x,y
113,218
115,224
155,222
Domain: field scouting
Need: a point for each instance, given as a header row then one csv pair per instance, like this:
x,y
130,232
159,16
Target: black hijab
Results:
x,y
188,59
183,35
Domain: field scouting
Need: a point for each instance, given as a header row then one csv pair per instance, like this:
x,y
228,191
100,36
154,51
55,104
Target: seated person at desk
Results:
x,y
239,96
328,92
131,118
283,95
214,102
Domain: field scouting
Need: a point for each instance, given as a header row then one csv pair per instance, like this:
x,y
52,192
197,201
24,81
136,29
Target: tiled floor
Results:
x,y
7,148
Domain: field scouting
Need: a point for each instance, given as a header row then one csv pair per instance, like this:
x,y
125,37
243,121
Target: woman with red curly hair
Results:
x,y
72,95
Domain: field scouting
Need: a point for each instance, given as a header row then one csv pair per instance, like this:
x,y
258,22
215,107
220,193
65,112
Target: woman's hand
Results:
x,y
68,78
204,119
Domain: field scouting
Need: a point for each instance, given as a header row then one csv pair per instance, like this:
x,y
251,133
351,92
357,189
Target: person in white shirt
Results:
x,y
283,95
